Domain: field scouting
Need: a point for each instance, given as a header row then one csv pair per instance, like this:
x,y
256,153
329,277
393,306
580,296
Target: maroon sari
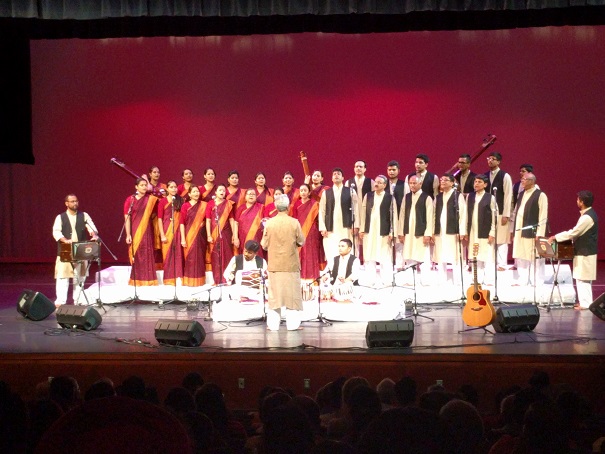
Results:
x,y
141,252
249,226
312,257
172,251
194,220
221,250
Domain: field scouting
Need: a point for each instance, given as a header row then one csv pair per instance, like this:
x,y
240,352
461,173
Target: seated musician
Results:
x,y
343,271
245,271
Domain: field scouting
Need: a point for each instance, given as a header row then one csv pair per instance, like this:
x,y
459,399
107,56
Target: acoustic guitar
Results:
x,y
478,311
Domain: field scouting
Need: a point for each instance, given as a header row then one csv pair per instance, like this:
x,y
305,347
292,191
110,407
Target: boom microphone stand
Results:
x,y
320,318
174,300
263,318
495,298
415,312
99,302
136,298
457,208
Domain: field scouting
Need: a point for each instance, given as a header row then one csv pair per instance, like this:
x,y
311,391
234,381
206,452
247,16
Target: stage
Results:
x,y
567,343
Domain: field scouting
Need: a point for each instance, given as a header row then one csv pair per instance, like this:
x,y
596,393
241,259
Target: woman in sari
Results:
x,y
222,232
264,195
193,239
183,188
317,186
169,215
138,212
234,193
208,189
269,210
290,191
249,218
158,189
312,258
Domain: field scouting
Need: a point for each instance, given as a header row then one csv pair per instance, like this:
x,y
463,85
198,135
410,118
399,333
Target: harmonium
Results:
x,y
558,250
79,251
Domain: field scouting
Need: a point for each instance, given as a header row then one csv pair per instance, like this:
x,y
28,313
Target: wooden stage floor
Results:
x,y
567,343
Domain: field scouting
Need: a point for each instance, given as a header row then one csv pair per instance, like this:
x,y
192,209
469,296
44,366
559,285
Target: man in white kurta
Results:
x,y
376,233
500,186
340,227
77,223
480,209
450,221
359,185
247,272
531,214
416,244
584,235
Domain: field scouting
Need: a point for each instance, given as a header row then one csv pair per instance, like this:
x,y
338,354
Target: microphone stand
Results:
x,y
495,298
174,300
415,313
219,240
320,318
354,202
263,317
133,265
457,208
99,302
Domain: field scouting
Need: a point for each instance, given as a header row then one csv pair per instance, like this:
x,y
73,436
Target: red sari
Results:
x,y
140,252
221,249
238,197
312,257
182,191
157,241
194,220
172,251
265,197
293,197
206,194
249,226
317,192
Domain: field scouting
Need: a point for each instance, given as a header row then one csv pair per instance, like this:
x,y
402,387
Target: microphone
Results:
x,y
495,189
455,185
213,197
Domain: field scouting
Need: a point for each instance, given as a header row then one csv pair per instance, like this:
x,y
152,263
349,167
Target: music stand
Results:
x,y
547,251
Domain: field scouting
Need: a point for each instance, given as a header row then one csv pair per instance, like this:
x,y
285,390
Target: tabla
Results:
x,y
251,279
306,291
343,292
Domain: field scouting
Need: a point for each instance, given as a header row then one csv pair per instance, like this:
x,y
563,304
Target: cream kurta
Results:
x,y
64,270
413,246
446,248
503,231
523,248
281,238
376,248
584,266
331,240
485,252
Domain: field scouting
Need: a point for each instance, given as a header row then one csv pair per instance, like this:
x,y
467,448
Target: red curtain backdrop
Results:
x,y
251,103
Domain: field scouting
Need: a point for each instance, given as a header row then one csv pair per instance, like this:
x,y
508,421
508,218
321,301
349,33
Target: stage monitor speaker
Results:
x,y
598,307
519,317
390,333
34,305
184,333
81,317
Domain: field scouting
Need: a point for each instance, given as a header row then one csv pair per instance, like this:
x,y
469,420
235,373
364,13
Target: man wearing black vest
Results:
x,y
396,188
248,261
70,227
343,270
531,210
359,186
465,177
415,228
429,183
517,188
501,186
584,236
335,214
481,231
376,231
450,225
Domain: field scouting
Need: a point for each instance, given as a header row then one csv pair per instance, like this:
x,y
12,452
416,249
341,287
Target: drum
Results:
x,y
251,279
306,291
343,292
564,250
